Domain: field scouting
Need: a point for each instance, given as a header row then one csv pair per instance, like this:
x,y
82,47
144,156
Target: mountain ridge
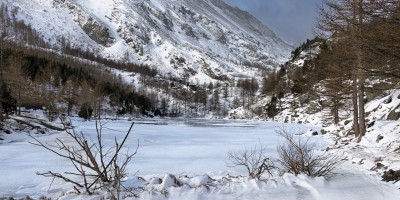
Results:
x,y
198,39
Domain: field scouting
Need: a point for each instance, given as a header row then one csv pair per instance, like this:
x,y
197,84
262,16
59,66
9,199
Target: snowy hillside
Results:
x,y
197,39
305,52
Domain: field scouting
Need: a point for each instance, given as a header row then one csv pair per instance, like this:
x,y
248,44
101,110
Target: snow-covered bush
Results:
x,y
297,155
254,160
95,165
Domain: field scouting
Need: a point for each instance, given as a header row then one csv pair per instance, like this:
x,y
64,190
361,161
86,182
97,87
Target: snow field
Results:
x,y
185,159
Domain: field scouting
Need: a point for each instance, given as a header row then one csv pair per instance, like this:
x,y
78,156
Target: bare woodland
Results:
x,y
363,45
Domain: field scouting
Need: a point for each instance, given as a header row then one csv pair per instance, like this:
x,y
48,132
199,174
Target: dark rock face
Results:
x,y
391,175
98,33
379,166
394,115
370,124
379,138
314,133
93,27
323,131
189,31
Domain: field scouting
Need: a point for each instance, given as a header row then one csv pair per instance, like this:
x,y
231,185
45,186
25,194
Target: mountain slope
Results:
x,y
197,39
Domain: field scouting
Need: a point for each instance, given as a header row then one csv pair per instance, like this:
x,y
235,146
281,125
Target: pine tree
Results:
x,y
8,102
86,111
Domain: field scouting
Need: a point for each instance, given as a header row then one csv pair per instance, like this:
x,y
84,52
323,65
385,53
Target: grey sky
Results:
x,y
292,20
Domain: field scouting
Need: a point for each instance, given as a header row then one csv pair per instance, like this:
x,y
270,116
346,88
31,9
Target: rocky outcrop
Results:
x,y
394,114
94,28
391,175
97,32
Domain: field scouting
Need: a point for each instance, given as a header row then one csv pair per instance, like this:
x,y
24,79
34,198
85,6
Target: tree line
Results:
x,y
51,67
37,79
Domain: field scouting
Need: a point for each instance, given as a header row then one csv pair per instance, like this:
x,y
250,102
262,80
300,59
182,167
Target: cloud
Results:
x,y
293,20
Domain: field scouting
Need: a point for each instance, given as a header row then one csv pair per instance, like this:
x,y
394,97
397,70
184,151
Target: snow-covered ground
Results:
x,y
379,150
192,151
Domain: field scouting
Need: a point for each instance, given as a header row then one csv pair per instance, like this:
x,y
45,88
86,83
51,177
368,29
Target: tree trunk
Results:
x,y
361,118
336,109
355,108
360,72
1,82
19,102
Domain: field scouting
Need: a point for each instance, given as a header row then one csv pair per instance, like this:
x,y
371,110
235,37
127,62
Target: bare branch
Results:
x,y
89,159
297,156
254,160
116,153
57,175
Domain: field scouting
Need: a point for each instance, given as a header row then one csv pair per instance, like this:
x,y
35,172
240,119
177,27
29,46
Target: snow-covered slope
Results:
x,y
200,39
306,52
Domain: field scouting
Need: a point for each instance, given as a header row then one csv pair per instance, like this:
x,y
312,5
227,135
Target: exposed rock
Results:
x,y
222,39
323,131
391,175
370,124
388,100
379,138
92,27
189,31
347,122
378,166
394,114
170,180
98,33
314,133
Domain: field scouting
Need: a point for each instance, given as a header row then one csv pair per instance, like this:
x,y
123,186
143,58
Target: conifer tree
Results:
x,y
8,102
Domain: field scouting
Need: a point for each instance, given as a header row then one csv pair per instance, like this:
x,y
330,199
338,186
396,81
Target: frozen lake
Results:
x,y
190,147
166,146
200,146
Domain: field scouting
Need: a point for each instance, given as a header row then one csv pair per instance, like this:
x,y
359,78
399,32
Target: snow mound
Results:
x,y
385,108
240,113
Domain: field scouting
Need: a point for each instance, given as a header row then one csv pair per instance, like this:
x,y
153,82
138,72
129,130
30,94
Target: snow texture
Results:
x,y
186,159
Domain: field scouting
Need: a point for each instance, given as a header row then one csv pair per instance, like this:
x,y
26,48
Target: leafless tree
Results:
x,y
95,164
254,160
346,20
298,156
366,34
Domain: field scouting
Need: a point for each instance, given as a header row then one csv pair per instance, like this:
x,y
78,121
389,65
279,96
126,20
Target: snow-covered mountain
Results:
x,y
198,39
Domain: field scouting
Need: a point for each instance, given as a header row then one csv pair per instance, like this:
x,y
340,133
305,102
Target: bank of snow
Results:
x,y
379,150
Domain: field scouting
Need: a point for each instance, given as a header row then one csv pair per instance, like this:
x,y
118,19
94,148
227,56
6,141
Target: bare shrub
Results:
x,y
298,156
254,160
95,165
